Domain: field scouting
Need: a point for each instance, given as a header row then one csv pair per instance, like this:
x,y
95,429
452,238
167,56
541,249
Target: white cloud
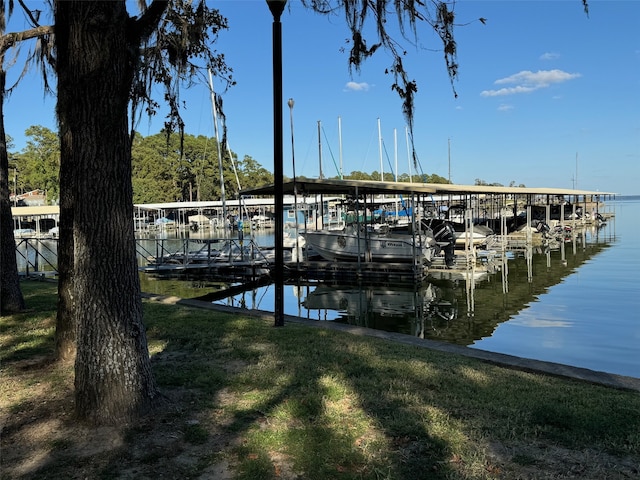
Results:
x,y
549,56
357,87
527,81
505,107
507,91
541,78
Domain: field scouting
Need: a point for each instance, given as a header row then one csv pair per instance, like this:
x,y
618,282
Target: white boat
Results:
x,y
199,222
164,224
355,301
351,243
24,233
476,234
289,241
479,234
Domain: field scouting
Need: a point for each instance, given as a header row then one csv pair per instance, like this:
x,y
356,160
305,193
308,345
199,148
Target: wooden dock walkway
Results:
x,y
371,273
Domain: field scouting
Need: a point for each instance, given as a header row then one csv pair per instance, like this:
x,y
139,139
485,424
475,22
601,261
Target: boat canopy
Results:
x,y
335,186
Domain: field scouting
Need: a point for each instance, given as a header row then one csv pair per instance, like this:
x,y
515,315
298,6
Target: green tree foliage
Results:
x,y
39,162
403,177
185,168
484,183
171,168
153,178
164,169
358,175
435,178
252,174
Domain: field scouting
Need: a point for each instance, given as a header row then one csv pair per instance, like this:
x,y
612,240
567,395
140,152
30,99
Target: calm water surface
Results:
x,y
591,318
577,305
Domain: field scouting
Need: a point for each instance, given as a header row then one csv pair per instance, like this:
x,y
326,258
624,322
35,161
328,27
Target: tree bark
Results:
x,y
65,337
11,299
95,63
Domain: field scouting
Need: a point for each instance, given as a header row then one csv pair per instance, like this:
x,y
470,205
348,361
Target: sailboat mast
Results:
x,y
320,149
340,145
380,151
235,172
215,127
406,135
449,156
395,152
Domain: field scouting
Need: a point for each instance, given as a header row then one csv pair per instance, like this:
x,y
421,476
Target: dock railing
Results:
x,y
37,256
198,252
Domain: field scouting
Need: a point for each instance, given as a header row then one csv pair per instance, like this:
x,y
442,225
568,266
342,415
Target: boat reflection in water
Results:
x,y
458,307
404,310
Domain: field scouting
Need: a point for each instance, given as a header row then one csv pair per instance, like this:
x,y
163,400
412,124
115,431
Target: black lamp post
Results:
x,y
277,7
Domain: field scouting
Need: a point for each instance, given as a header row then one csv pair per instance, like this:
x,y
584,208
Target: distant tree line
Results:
x,y
37,166
512,183
390,177
161,170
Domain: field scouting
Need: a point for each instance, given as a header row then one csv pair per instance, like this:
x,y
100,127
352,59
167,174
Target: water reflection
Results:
x,y
456,307
404,310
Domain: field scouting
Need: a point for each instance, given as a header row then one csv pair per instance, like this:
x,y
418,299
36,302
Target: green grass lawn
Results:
x,y
251,401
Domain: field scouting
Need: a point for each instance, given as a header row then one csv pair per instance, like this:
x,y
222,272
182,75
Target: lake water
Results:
x,y
591,318
577,305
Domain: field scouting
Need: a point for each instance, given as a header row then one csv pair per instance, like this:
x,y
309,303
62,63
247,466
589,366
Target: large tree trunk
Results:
x,y
95,62
65,321
11,299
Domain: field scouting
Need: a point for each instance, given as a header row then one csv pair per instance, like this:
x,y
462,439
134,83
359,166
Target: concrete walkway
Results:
x,y
509,361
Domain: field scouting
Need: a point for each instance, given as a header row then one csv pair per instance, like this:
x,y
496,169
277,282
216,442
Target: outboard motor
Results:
x,y
543,228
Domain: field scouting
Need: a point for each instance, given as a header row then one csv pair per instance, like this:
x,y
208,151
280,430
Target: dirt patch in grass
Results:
x,y
41,440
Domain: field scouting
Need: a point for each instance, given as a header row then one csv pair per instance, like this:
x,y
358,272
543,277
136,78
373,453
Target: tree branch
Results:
x,y
34,21
8,40
148,21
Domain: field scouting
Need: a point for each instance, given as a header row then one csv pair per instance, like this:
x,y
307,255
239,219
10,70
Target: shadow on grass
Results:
x,y
250,401
30,333
327,404
276,403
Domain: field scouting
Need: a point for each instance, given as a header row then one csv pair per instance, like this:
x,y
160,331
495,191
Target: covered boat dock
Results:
x,y
493,206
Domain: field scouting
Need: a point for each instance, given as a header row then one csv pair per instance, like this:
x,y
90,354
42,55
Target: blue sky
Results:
x,y
546,96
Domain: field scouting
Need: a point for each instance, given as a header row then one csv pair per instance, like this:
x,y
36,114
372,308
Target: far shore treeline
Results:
x,y
162,171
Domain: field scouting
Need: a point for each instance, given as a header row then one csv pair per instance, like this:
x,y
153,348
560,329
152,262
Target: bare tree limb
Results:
x,y
9,40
